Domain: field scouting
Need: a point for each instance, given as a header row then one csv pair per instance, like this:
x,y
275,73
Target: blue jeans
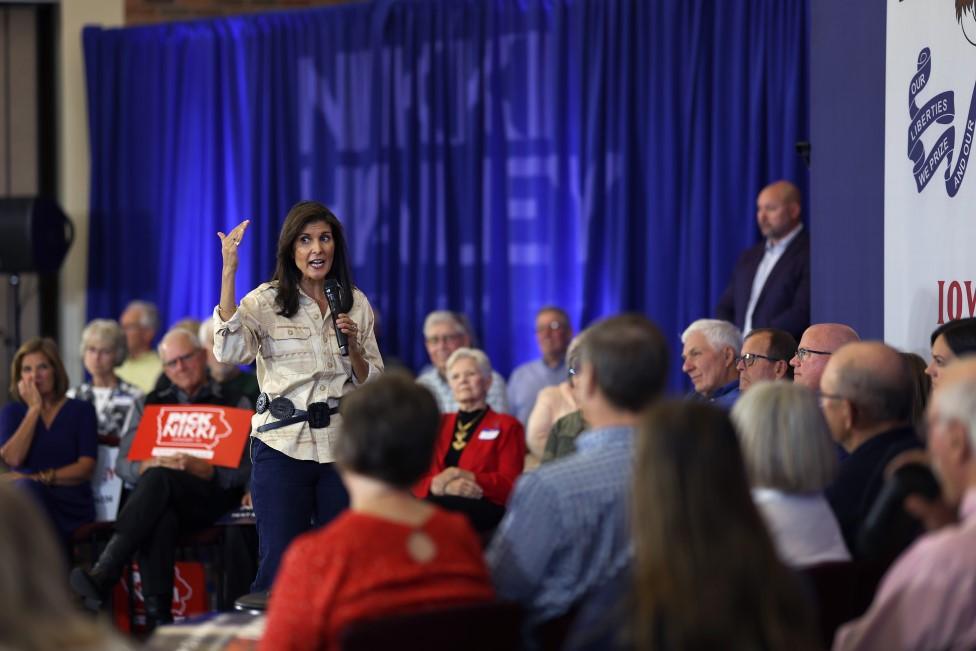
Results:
x,y
290,497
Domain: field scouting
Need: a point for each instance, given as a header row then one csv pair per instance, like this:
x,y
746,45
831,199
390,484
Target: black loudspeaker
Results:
x,y
35,235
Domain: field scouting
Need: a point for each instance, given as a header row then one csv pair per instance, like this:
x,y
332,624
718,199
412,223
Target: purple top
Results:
x,y
73,434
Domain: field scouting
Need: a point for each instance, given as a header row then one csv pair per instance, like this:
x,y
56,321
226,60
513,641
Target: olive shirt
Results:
x,y
298,358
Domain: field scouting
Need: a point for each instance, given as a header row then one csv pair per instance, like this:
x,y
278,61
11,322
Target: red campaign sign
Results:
x,y
189,596
217,434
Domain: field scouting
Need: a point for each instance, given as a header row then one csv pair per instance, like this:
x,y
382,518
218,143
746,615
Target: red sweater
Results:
x,y
495,453
358,567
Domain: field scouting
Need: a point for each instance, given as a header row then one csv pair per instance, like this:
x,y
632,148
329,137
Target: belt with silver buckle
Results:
x,y
318,414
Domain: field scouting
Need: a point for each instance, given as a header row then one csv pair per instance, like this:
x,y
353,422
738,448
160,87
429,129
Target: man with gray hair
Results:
x,y
926,601
140,322
444,333
866,397
711,348
172,494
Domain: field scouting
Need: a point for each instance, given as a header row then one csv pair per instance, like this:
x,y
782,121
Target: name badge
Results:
x,y
489,434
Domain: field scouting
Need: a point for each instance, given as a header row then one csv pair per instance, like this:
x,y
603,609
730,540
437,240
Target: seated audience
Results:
x,y
49,441
230,376
711,348
552,403
140,322
173,494
479,454
765,355
36,613
866,398
552,333
817,344
389,552
115,400
705,574
445,332
789,459
926,600
949,341
566,529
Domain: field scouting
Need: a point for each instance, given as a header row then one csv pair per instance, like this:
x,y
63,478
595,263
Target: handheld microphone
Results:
x,y
333,294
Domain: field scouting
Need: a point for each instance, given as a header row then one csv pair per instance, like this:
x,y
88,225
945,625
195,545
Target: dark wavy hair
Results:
x,y
960,336
286,272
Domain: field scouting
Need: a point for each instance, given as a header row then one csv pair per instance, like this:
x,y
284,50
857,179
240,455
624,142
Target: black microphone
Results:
x,y
333,294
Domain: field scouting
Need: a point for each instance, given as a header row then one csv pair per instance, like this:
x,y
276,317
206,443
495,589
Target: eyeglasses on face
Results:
x,y
750,358
803,353
182,358
552,326
436,340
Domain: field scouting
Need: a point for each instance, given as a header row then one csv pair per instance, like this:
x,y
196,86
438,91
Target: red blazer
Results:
x,y
495,459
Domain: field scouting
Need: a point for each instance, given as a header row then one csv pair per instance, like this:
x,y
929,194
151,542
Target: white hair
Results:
x,y
718,333
443,316
191,337
105,331
479,358
148,314
957,402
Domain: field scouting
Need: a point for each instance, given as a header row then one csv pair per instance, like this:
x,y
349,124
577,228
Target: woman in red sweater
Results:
x,y
479,453
390,552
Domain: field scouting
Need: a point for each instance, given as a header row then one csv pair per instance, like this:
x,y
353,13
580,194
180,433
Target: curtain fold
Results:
x,y
488,156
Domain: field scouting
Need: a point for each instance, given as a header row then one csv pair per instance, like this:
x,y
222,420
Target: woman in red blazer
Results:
x,y
479,453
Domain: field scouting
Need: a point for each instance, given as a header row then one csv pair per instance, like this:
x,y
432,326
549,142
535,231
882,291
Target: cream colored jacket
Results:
x,y
298,358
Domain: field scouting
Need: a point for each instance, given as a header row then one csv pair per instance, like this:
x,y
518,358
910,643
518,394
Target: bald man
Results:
x,y
770,285
817,344
866,398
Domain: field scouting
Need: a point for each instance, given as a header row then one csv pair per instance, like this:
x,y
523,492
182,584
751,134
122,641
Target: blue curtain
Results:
x,y
488,156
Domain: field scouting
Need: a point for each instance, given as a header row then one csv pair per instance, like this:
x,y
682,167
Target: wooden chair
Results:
x,y
474,627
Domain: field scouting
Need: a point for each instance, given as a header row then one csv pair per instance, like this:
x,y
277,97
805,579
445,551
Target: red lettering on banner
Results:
x,y
953,303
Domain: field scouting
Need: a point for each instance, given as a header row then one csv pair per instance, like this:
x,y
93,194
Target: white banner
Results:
x,y
930,195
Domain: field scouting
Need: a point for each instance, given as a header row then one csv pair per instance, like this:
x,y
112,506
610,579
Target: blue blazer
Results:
x,y
784,302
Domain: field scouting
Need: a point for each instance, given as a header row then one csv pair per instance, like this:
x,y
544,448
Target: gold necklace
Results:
x,y
461,433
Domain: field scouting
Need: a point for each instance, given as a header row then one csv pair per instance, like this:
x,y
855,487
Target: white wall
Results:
x,y
73,157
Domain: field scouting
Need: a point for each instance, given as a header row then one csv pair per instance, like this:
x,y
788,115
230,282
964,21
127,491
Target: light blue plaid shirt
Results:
x,y
565,531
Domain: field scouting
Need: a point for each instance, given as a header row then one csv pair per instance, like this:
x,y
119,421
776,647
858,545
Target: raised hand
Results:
x,y
230,242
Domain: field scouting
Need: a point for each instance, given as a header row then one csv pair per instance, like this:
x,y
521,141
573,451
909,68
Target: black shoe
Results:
x,y
96,585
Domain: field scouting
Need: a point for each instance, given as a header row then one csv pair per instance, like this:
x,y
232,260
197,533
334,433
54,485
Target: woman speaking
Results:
x,y
311,332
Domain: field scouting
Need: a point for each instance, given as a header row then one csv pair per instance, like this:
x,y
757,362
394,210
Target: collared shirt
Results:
x,y
927,600
772,255
298,358
527,381
445,397
142,371
724,397
565,531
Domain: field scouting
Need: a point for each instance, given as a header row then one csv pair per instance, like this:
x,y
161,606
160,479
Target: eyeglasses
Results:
x,y
750,358
552,326
182,358
803,353
436,340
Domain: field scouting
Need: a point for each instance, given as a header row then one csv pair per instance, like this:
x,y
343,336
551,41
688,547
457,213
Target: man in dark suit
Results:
x,y
770,286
